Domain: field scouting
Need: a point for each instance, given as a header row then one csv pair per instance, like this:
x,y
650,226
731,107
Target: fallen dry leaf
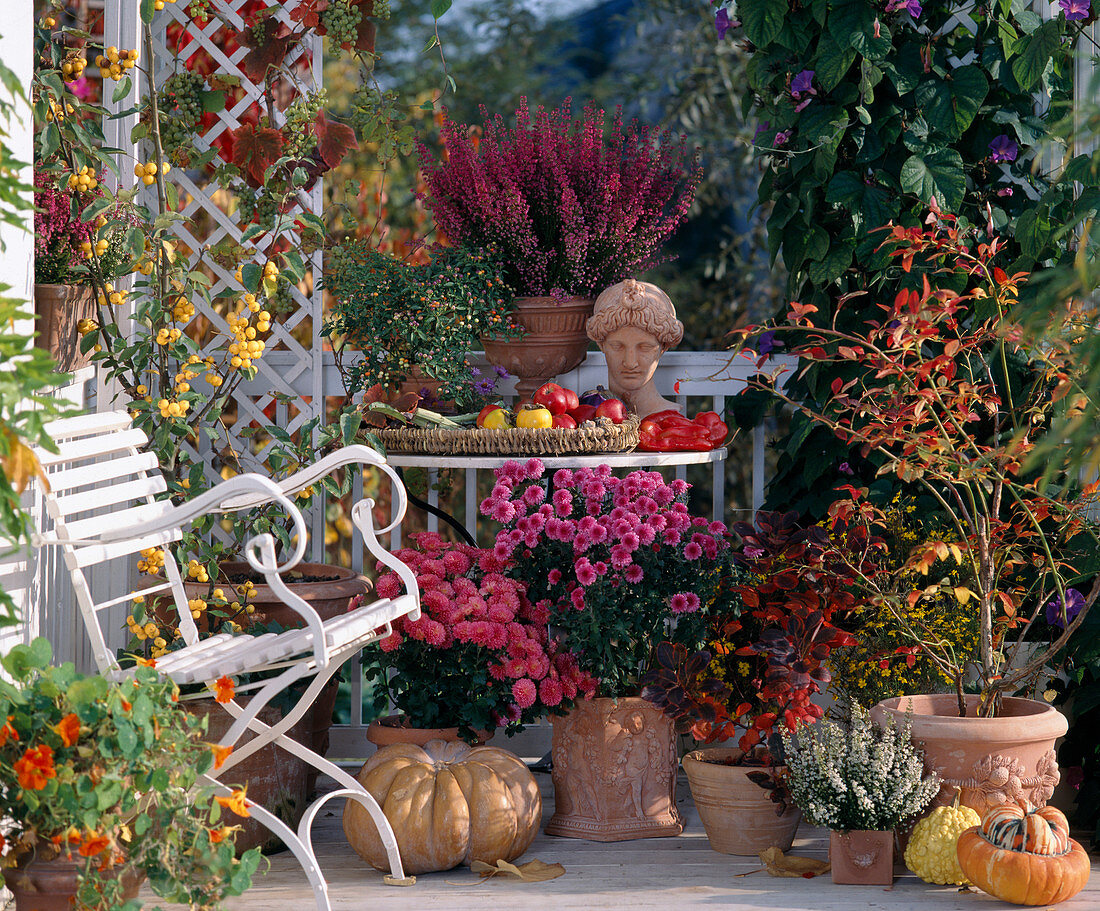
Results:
x,y
779,864
534,871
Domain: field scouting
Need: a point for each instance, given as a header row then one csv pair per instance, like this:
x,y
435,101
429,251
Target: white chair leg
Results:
x,y
302,850
396,876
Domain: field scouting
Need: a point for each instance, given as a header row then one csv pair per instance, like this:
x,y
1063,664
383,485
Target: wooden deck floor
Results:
x,y
670,874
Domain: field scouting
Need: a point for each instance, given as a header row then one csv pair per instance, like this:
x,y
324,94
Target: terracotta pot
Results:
x,y
50,885
862,858
59,309
736,813
614,772
394,729
554,342
1007,759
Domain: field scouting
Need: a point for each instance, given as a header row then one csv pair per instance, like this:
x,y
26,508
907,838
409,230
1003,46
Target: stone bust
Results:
x,y
634,323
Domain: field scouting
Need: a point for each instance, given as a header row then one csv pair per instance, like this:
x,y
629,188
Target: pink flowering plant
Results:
x,y
618,564
479,656
573,205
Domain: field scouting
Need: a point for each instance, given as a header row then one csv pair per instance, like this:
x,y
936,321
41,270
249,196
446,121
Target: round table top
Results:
x,y
634,459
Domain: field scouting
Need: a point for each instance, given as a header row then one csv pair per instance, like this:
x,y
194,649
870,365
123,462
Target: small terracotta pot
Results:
x,y
614,772
991,761
862,858
554,341
60,308
735,811
50,885
394,729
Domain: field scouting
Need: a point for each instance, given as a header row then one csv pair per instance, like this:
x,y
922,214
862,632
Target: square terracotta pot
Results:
x,y
862,858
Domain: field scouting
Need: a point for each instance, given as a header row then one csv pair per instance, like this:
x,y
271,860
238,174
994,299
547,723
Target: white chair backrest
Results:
x,y
100,481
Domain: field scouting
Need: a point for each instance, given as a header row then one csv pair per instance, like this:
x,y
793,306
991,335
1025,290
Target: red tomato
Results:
x,y
553,398
564,422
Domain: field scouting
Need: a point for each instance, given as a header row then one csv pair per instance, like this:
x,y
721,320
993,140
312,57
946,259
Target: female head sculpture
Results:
x,y
634,323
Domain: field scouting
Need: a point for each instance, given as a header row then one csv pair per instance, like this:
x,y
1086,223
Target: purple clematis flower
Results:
x,y
767,343
803,82
1075,9
1074,602
722,23
1003,148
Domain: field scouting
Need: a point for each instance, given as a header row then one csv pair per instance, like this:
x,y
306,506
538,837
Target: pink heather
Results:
x,y
574,205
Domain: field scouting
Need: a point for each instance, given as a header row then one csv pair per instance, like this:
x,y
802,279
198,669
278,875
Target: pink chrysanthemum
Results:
x,y
633,574
692,551
525,692
550,691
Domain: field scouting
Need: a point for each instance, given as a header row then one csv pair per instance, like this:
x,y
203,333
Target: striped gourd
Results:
x,y
1034,831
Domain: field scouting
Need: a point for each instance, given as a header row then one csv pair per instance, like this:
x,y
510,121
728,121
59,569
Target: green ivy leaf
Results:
x,y
833,62
147,9
439,7
833,265
1033,231
938,174
122,90
1034,52
763,19
950,105
251,274
870,206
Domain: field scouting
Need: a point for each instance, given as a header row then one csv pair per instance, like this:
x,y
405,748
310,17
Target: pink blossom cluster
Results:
x,y
574,206
465,599
633,530
57,235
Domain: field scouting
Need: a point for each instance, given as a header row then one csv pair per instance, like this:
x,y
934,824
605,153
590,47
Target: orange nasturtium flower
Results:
x,y
223,689
235,802
220,754
147,662
35,768
218,835
94,844
68,728
8,731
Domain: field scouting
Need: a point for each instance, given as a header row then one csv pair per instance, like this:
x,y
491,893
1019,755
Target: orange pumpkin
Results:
x,y
1024,856
448,803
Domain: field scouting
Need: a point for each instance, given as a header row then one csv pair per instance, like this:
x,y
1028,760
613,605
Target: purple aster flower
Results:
x,y
1003,148
803,82
1074,602
1075,9
500,371
781,138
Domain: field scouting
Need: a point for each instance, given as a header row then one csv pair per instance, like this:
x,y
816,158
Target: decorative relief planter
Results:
x,y
555,341
614,772
59,309
736,812
992,761
862,858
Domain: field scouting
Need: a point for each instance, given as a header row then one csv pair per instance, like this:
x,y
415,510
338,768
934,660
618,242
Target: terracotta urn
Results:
x,y
737,813
59,309
862,858
393,729
614,772
554,341
50,885
991,761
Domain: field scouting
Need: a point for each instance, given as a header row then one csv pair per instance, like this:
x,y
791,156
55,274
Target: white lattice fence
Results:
x,y
215,218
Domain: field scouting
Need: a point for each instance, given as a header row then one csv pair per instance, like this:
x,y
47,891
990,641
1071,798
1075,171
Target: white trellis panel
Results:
x,y
215,219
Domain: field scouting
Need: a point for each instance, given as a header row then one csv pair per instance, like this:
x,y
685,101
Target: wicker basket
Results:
x,y
592,437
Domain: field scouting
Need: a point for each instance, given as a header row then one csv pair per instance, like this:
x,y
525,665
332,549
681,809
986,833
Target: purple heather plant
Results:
x,y
57,234
573,206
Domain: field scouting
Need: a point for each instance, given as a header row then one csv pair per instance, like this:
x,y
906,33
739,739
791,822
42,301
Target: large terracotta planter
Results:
x,y
59,309
991,761
735,811
393,729
554,341
50,885
862,858
614,772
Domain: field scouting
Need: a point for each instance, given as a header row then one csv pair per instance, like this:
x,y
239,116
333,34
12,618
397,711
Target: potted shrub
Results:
x,y
478,658
416,324
760,669
615,562
573,206
98,790
860,784
947,395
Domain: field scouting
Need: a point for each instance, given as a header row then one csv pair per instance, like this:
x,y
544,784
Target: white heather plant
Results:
x,y
865,778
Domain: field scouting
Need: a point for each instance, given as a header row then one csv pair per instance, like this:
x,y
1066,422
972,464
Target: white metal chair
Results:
x,y
102,502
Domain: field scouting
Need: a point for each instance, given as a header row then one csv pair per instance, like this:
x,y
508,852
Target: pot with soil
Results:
x,y
1008,758
397,729
50,885
737,811
60,309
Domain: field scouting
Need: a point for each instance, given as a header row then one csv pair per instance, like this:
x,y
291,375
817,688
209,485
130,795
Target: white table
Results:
x,y
472,464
